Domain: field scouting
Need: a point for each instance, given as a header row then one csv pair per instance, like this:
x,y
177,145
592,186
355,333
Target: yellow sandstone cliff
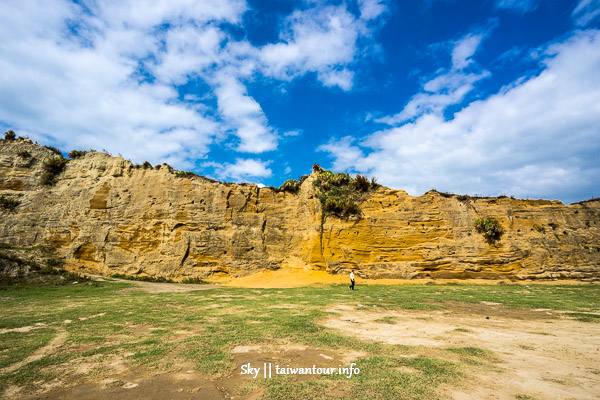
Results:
x,y
107,215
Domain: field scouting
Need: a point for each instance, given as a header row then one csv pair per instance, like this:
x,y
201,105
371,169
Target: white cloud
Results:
x,y
244,114
521,6
137,15
347,155
104,74
586,12
90,90
535,137
464,49
189,50
318,40
447,87
241,170
293,133
512,55
371,9
344,78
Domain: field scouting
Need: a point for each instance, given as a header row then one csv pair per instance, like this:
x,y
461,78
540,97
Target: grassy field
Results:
x,y
156,333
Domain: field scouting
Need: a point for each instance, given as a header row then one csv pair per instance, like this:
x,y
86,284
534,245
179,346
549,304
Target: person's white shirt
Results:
x,y
351,275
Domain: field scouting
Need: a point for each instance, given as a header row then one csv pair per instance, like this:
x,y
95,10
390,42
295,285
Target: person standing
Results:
x,y
351,287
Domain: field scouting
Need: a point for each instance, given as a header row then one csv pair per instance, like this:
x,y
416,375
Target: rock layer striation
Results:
x,y
105,214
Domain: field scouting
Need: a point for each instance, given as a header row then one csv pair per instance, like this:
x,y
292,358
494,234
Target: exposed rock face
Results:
x,y
108,215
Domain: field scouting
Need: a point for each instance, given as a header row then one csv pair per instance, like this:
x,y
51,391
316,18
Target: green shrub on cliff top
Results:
x,y
291,186
54,150
185,174
339,193
10,135
76,154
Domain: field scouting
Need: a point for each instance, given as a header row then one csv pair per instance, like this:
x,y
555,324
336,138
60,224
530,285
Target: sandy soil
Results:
x,y
540,355
300,276
288,277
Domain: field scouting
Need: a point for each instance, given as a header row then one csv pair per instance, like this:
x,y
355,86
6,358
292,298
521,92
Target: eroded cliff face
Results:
x,y
107,215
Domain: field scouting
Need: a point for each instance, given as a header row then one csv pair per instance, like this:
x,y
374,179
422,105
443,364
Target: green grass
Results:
x,y
471,352
26,342
387,320
464,330
585,317
524,397
107,321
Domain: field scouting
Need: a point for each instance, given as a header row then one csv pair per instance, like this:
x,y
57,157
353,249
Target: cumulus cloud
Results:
x,y
244,114
107,74
536,137
586,12
319,39
241,170
188,50
83,77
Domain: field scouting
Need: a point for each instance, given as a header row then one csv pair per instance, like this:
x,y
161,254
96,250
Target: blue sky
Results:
x,y
482,97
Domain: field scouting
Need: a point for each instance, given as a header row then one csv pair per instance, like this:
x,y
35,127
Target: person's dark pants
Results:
x,y
352,286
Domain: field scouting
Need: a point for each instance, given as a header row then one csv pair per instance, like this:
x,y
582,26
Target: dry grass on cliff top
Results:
x,y
117,340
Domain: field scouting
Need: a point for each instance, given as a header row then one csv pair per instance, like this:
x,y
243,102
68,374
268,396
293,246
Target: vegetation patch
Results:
x,y
73,154
387,320
54,150
20,272
466,197
185,174
339,193
8,203
290,186
52,167
194,281
471,352
145,278
10,135
585,317
540,228
157,279
490,229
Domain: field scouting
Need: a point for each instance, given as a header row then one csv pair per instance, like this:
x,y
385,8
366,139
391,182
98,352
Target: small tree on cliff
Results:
x,y
10,135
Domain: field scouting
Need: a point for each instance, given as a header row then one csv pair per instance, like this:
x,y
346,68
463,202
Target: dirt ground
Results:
x,y
121,382
537,353
540,355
